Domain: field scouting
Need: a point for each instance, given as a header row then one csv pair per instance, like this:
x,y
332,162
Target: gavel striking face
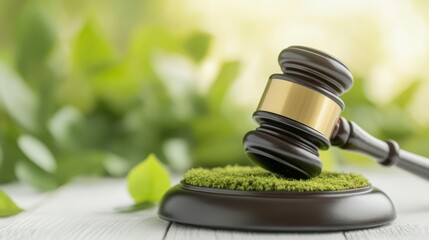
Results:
x,y
299,113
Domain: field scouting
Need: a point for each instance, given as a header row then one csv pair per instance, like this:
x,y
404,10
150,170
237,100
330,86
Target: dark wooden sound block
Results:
x,y
277,211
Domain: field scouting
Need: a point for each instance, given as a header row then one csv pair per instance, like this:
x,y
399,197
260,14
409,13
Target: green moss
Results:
x,y
258,179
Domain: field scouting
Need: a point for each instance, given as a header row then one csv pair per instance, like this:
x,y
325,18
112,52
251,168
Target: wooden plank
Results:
x,y
87,196
179,231
37,226
25,197
85,210
412,227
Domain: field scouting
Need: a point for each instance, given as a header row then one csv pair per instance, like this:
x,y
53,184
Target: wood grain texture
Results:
x,y
85,227
179,232
25,196
400,229
85,210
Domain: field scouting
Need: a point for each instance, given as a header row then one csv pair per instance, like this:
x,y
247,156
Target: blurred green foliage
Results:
x,y
80,98
104,110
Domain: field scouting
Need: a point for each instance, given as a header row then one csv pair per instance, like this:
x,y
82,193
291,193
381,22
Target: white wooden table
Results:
x,y
84,210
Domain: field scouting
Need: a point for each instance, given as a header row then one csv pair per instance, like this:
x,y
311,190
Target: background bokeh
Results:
x,y
93,87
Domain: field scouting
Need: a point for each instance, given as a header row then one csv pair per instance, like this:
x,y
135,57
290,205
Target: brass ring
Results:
x,y
301,104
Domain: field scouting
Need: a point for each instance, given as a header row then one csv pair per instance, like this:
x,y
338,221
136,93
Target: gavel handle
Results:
x,y
348,135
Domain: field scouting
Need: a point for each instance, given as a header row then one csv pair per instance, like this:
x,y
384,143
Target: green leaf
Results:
x,y
78,163
9,132
35,38
368,117
226,76
145,41
116,165
1,156
18,99
396,123
91,51
8,206
406,96
176,150
218,152
37,152
357,95
135,207
116,87
31,174
77,92
148,181
61,126
197,45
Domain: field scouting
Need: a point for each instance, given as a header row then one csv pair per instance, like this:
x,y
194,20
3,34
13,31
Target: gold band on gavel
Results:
x,y
301,104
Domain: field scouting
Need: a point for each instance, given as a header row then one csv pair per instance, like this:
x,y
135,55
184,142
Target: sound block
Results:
x,y
277,211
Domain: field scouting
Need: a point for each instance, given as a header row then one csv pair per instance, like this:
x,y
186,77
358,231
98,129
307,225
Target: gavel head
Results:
x,y
298,112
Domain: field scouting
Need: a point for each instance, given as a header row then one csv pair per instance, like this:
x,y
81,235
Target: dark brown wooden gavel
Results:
x,y
299,113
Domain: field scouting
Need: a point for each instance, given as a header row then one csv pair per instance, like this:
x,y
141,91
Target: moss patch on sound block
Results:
x,y
258,179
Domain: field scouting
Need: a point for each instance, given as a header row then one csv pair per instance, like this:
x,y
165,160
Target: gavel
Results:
x,y
299,113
